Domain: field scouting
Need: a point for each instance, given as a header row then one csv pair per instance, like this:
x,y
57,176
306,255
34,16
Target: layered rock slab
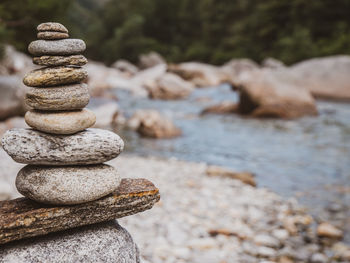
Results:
x,y
22,218
103,242
60,122
74,60
49,35
58,47
67,185
68,97
54,76
92,146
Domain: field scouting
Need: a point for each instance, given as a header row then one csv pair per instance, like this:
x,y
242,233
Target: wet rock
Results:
x,y
52,26
74,60
67,97
103,242
170,87
272,63
60,122
225,107
67,185
200,74
125,66
59,47
151,123
54,76
328,230
150,60
50,35
245,177
12,96
268,94
92,146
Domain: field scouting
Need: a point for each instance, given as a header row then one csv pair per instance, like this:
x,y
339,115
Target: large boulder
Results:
x,y
200,74
327,77
12,97
107,115
272,63
224,107
125,66
169,87
150,60
150,123
236,67
272,93
103,242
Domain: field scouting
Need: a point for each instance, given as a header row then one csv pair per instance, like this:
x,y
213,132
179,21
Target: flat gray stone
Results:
x,y
55,76
68,46
67,185
92,146
60,122
52,26
68,97
103,242
74,60
51,35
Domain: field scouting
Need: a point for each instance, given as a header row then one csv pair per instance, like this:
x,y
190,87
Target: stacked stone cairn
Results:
x,y
64,155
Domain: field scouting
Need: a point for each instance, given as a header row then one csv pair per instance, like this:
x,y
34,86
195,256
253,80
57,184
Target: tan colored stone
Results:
x,y
60,122
245,177
328,230
74,60
52,26
54,76
67,97
50,35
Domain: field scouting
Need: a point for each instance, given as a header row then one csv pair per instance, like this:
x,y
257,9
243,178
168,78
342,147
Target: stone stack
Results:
x,y
65,158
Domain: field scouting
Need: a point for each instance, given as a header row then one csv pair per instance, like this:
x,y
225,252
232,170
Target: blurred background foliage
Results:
x,y
181,30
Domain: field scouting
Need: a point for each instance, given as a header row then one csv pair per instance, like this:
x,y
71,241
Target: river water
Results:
x,y
308,158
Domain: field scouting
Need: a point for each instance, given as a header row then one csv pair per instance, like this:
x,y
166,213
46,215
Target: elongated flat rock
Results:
x,y
51,35
52,26
60,122
67,185
22,218
59,47
55,76
92,146
74,60
68,97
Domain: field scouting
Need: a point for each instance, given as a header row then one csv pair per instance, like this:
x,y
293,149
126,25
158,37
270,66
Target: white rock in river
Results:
x,y
92,146
67,185
60,122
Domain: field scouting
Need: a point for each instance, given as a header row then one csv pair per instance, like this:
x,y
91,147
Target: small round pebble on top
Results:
x,y
52,26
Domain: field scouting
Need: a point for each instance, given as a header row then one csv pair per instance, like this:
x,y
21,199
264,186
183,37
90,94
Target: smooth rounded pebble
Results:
x,y
46,77
67,185
92,146
52,26
51,35
58,47
102,242
74,60
60,122
69,97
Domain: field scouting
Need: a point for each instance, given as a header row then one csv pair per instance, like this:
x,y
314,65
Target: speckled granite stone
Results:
x,y
74,60
67,46
50,35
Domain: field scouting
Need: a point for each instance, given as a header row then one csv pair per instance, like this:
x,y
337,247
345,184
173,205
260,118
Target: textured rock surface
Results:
x,y
74,60
54,76
52,26
68,97
103,242
50,35
92,146
58,47
67,185
60,122
21,218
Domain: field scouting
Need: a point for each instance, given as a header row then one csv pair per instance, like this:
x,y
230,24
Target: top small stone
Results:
x,y
52,26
